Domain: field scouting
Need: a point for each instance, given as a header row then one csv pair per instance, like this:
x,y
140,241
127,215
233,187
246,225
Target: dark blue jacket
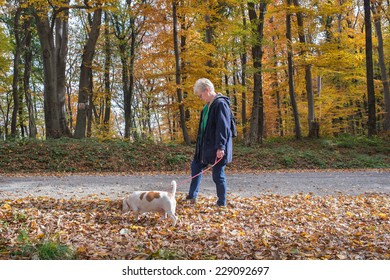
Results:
x,y
217,134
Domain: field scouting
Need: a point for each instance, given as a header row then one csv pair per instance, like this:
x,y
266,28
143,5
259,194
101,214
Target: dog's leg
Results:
x,y
173,217
163,215
174,213
174,220
136,215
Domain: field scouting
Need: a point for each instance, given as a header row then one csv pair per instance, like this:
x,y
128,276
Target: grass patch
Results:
x,y
314,158
42,249
164,254
47,250
177,159
52,250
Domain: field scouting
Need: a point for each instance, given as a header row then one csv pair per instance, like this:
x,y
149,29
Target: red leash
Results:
x,y
203,171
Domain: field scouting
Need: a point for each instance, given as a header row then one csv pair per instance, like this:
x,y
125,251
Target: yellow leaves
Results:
x,y
383,216
237,233
6,207
40,235
349,214
81,250
33,224
265,236
136,227
5,211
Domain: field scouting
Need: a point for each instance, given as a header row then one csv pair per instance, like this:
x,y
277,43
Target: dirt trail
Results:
x,y
245,185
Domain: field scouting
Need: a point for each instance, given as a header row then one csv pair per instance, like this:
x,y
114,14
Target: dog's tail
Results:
x,y
173,188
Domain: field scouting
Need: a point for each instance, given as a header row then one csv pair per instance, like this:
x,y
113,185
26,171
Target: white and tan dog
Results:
x,y
154,201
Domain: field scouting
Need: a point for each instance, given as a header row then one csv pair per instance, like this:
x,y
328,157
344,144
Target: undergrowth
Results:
x,y
90,155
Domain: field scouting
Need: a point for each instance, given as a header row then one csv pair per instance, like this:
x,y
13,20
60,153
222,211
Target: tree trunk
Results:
x,y
127,60
84,85
20,114
51,103
244,61
298,134
170,120
90,103
125,86
226,79
308,77
26,83
369,70
208,37
157,120
234,94
69,106
382,66
15,81
179,90
257,117
6,114
183,47
133,46
277,91
107,83
61,50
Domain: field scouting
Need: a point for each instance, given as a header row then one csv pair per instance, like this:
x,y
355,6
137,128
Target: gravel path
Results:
x,y
246,185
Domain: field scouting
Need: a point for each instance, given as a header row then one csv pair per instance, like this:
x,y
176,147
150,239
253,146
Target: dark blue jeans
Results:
x,y
218,178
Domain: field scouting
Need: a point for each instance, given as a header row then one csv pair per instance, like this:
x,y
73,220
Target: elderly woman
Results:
x,y
214,140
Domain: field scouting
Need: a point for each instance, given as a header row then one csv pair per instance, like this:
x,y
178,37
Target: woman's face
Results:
x,y
205,95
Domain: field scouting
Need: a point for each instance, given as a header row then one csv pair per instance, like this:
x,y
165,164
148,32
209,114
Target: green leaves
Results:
x,y
300,226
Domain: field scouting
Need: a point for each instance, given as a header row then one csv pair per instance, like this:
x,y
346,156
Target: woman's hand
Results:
x,y
220,153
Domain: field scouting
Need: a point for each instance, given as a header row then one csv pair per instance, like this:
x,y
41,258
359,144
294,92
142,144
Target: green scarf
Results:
x,y
205,116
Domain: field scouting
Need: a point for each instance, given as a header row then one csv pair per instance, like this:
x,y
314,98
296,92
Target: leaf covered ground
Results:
x,y
270,226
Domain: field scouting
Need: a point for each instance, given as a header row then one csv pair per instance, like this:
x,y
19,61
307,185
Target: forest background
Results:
x,y
125,69
120,73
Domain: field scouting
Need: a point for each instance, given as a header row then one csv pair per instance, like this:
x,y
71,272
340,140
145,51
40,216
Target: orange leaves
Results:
x,y
302,226
6,207
5,211
383,216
